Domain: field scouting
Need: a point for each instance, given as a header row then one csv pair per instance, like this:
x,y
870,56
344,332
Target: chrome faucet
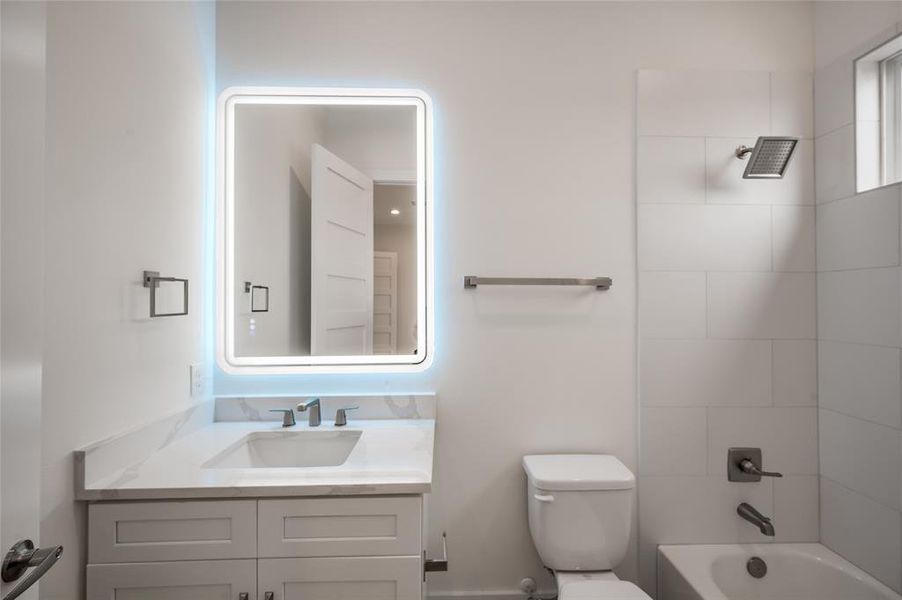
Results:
x,y
312,407
747,512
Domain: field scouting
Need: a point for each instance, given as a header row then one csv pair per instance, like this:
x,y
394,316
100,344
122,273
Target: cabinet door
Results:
x,y
189,580
369,578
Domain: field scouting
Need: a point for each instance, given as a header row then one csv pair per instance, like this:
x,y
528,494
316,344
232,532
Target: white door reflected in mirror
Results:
x,y
324,220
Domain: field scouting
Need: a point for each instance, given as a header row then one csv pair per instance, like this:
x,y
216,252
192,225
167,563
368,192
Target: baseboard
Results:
x,y
485,595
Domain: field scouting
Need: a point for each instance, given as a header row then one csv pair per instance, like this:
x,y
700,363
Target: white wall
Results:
x,y
402,239
535,129
128,95
859,309
21,320
273,146
727,308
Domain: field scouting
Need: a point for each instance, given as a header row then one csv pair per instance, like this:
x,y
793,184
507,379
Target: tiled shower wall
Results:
x,y
727,309
859,312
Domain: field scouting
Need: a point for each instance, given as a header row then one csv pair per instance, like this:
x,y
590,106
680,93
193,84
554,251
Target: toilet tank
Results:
x,y
580,510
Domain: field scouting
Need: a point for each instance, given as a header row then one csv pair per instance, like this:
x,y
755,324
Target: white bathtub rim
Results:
x,y
688,559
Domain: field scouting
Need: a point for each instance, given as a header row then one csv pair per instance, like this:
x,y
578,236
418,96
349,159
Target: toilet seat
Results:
x,y
595,589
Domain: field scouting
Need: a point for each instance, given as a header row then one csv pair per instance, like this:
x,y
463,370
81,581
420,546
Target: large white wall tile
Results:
x,y
792,104
672,305
860,231
710,103
676,441
786,436
761,305
796,508
725,184
671,169
859,306
705,373
861,381
795,373
861,455
863,531
698,510
832,97
793,238
835,164
703,237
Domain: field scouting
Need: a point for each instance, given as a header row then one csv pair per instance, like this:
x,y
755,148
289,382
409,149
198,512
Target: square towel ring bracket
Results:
x,y
152,281
599,283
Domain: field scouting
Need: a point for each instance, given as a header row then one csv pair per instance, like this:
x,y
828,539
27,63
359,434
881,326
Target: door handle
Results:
x,y
19,558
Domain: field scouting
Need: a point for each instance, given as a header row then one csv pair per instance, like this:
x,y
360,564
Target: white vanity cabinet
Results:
x,y
266,549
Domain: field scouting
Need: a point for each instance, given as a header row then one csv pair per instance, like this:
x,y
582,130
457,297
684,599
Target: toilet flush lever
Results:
x,y
543,497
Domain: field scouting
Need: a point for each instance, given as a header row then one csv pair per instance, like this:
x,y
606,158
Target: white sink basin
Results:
x,y
287,450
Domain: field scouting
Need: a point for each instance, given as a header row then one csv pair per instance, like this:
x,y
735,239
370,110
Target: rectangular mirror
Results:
x,y
324,227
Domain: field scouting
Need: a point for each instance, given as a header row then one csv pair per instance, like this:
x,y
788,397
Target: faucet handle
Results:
x,y
744,464
287,416
341,415
748,466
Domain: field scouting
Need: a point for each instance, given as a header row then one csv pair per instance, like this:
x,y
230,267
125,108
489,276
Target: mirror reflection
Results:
x,y
325,230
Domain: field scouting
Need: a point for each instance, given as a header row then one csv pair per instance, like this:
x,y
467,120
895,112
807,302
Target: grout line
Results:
x,y
773,227
859,493
747,136
705,161
857,418
855,269
818,136
770,102
707,306
677,270
761,204
773,370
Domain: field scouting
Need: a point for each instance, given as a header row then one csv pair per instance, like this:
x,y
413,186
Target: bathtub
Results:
x,y
794,572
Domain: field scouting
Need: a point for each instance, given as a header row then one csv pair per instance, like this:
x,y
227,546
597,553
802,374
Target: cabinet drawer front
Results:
x,y
163,531
189,580
371,578
325,527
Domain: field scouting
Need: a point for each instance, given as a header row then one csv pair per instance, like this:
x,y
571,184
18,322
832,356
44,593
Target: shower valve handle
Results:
x,y
748,466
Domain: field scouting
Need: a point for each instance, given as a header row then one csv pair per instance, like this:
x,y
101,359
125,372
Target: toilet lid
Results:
x,y
602,590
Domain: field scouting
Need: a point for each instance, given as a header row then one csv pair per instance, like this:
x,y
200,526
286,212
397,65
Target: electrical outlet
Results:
x,y
198,381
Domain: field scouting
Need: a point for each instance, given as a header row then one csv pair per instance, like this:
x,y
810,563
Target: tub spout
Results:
x,y
747,512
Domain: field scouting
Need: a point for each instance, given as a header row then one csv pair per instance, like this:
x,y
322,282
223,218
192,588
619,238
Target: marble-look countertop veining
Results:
x,y
392,456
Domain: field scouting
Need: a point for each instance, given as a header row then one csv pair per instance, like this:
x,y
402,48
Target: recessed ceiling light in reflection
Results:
x,y
395,211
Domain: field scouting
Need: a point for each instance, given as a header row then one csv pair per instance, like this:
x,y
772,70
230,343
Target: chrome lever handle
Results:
x,y
287,416
22,556
748,466
341,415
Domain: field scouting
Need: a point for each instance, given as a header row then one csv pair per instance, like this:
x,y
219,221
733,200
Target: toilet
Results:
x,y
580,506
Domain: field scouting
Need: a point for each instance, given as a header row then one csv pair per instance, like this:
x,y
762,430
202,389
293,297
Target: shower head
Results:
x,y
769,157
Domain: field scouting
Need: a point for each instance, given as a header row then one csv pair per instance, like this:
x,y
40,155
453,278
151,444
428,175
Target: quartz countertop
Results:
x,y
392,456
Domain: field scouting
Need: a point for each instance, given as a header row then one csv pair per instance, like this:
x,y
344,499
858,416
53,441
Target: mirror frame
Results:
x,y
225,227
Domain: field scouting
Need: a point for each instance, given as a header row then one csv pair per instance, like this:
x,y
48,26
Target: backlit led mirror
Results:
x,y
324,226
